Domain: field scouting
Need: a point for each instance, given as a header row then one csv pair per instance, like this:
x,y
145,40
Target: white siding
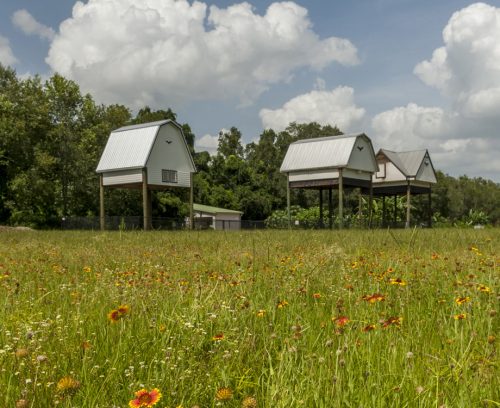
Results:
x,y
355,174
227,221
362,156
122,177
169,156
392,173
426,172
314,175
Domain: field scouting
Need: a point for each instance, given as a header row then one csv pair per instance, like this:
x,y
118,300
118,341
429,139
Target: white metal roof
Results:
x,y
407,162
319,153
129,147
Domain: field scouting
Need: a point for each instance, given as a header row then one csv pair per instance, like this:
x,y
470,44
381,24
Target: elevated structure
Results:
x,y
149,156
330,162
404,173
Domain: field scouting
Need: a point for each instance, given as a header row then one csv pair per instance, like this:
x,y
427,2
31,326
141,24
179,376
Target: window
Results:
x,y
169,176
380,174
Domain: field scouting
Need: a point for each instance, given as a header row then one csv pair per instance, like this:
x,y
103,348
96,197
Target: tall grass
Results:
x,y
288,318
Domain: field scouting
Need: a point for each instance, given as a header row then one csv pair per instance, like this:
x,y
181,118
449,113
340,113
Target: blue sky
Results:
x,y
378,66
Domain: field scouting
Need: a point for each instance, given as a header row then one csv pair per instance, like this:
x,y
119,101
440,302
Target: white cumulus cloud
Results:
x,y
467,67
410,127
335,107
178,51
207,143
463,137
6,55
28,25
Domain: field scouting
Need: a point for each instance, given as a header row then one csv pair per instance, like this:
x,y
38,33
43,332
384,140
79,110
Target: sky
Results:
x,y
410,74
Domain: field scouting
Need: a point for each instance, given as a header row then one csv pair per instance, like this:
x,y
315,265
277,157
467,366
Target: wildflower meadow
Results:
x,y
382,318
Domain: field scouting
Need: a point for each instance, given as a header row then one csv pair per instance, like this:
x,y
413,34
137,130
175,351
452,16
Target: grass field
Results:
x,y
245,319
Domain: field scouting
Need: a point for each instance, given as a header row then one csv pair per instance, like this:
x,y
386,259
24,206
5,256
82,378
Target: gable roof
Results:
x,y
129,147
407,163
213,210
320,153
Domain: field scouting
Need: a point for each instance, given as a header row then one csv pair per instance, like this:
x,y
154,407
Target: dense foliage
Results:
x,y
51,138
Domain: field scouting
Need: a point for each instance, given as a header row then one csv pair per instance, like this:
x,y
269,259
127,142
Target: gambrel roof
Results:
x,y
327,152
410,163
129,147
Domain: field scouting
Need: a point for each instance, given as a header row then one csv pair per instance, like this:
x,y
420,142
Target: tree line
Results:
x,y
52,136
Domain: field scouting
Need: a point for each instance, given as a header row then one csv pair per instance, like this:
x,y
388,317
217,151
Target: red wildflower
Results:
x,y
392,321
145,398
340,321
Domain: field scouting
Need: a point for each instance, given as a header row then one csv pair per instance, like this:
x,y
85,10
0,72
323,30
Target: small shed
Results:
x,y
149,156
330,162
217,218
404,173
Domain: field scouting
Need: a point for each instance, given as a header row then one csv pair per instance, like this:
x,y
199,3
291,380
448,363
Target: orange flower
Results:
x,y
462,300
261,313
376,297
460,316
397,281
218,337
340,321
223,394
393,321
281,304
123,309
117,314
483,288
67,385
114,316
316,295
369,328
145,398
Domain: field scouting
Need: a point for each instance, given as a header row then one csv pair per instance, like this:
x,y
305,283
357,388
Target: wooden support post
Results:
x,y
430,207
101,202
145,201
321,224
341,199
330,209
288,200
191,202
370,206
408,196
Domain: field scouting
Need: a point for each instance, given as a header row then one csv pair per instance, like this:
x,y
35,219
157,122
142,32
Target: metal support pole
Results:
x,y
408,195
321,224
288,201
341,200
145,200
101,202
191,202
330,209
